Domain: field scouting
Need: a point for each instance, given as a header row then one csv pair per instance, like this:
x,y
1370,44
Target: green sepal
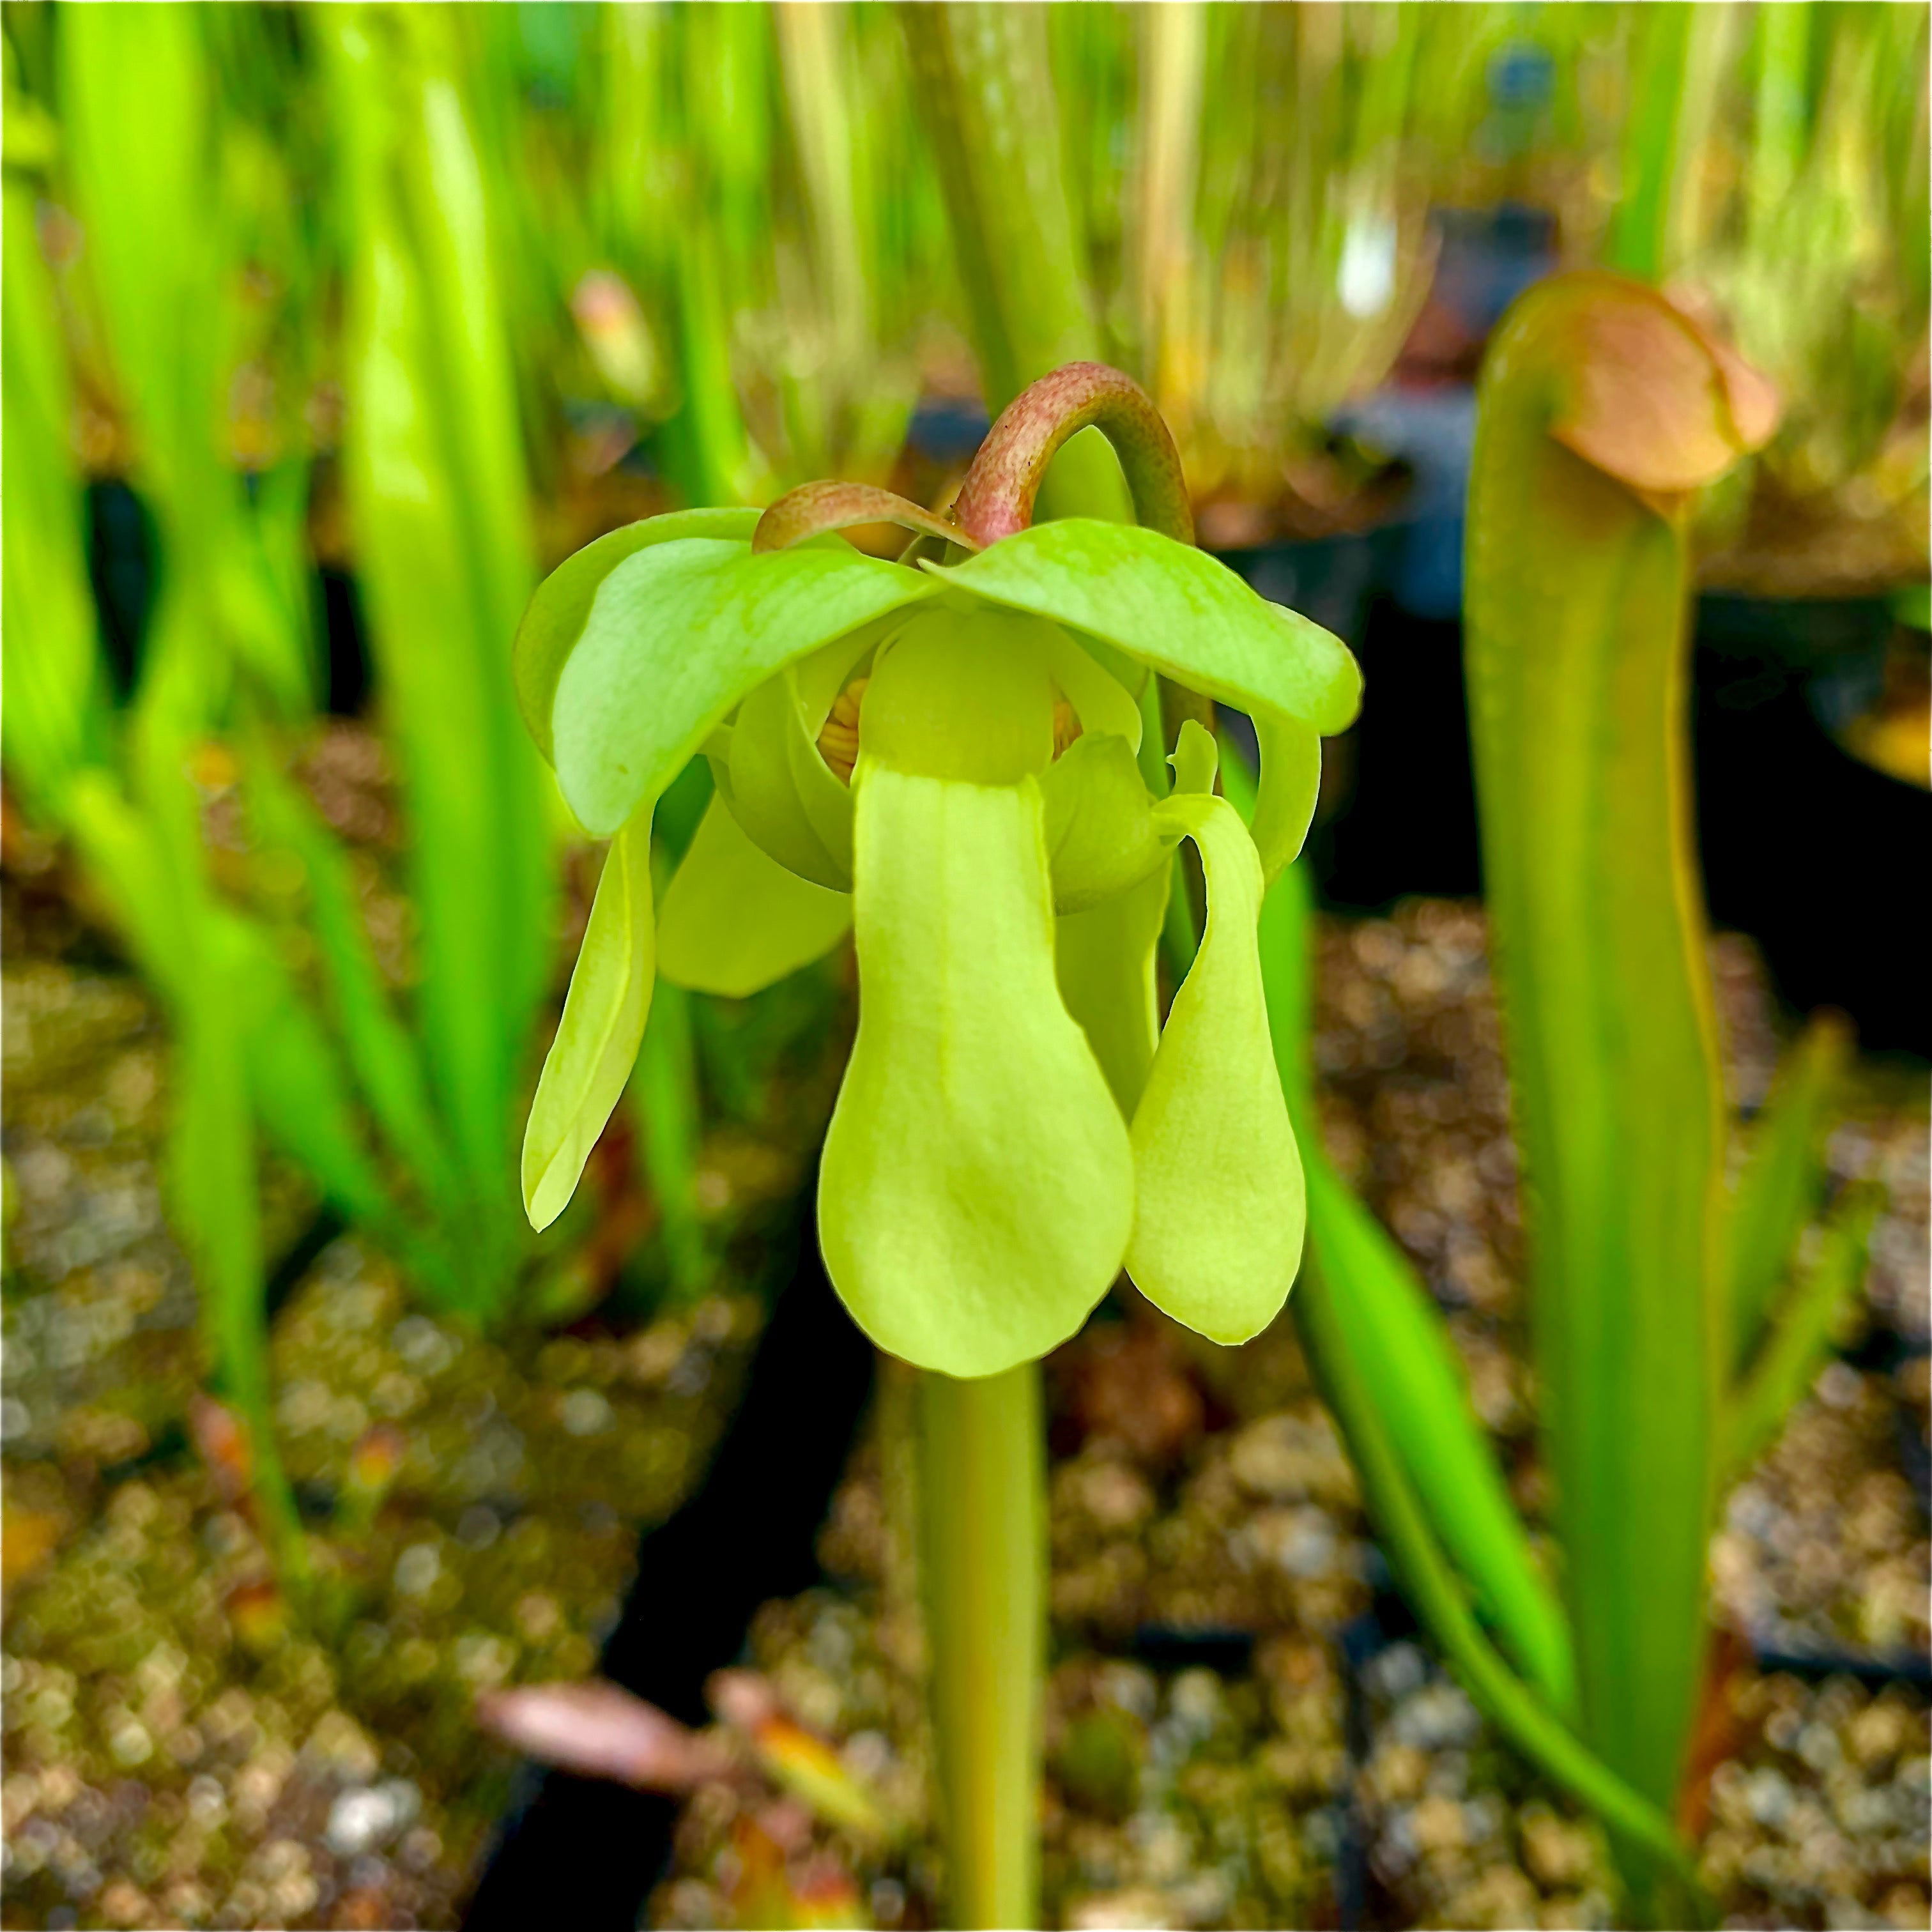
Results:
x,y
976,1190
596,1042
1218,1192
1172,607
1194,621
734,921
676,634
561,604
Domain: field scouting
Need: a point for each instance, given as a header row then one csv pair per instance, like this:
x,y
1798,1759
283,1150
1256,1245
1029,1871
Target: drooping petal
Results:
x,y
976,1190
596,1042
1218,1203
734,921
1284,805
676,634
781,793
1103,959
1101,836
1100,699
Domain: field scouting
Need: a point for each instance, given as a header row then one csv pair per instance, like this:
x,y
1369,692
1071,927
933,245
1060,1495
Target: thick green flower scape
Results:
x,y
942,759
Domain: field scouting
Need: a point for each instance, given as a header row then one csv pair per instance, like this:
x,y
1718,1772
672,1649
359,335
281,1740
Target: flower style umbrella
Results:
x,y
942,754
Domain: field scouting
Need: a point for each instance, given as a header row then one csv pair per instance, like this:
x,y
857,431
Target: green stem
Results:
x,y
665,1100
982,1527
986,88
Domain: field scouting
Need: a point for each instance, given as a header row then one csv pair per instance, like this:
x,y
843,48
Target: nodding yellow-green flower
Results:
x,y
944,756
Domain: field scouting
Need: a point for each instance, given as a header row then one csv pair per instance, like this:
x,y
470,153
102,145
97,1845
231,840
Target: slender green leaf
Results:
x,y
1395,1335
1782,1178
380,1050
215,1200
437,497
1575,638
53,719
1800,1335
1406,1526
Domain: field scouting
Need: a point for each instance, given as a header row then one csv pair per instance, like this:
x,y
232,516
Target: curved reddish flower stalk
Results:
x,y
813,508
996,498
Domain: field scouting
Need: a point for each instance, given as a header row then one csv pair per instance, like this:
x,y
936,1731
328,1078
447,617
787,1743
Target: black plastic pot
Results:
x,y
1818,857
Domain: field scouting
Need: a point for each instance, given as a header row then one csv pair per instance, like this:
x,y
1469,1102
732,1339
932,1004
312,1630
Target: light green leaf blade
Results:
x,y
734,921
1407,1526
596,1042
55,719
381,1053
295,1078
438,495
976,1190
561,602
1392,1330
1218,1203
1174,607
677,634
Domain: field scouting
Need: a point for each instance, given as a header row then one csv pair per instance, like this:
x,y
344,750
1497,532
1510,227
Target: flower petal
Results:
x,y
596,1041
1218,1203
775,778
734,921
676,634
976,1190
1103,959
1101,834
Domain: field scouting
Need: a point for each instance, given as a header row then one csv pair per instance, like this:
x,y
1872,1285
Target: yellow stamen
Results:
x,y
838,742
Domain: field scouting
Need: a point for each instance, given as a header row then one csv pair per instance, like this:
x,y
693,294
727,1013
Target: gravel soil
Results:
x,y
1242,1729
